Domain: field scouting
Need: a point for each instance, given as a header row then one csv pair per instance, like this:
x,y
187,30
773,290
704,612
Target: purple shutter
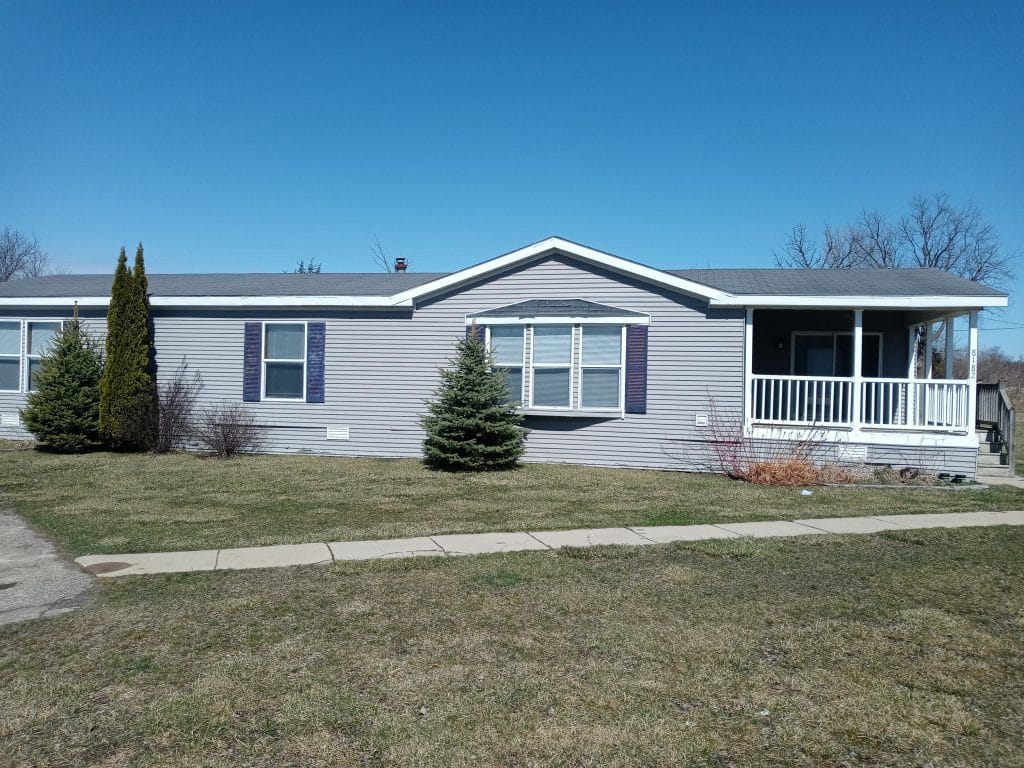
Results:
x,y
479,332
315,337
636,369
253,362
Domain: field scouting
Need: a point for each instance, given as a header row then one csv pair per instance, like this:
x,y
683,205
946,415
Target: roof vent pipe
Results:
x,y
400,264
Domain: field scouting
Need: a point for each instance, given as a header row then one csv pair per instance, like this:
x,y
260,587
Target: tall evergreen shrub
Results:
x,y
127,389
470,424
63,412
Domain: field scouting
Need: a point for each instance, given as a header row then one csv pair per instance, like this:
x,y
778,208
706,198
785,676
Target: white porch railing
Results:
x,y
827,401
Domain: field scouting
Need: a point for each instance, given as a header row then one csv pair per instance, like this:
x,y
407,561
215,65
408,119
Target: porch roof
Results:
x,y
893,288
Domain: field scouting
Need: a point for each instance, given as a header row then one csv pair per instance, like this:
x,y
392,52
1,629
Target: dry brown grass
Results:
x,y
798,471
895,650
111,502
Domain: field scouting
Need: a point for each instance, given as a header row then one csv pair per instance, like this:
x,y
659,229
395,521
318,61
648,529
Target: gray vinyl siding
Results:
x,y
382,368
11,403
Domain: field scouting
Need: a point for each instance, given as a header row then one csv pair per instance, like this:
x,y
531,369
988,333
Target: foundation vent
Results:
x,y
337,433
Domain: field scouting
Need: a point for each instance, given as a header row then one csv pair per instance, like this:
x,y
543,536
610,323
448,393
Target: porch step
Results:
x,y
986,434
987,460
993,472
993,446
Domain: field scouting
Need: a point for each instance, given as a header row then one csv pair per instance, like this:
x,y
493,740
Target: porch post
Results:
x,y
950,351
911,416
748,366
972,373
928,349
858,356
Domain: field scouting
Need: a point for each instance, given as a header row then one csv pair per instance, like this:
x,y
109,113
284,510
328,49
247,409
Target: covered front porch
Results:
x,y
861,370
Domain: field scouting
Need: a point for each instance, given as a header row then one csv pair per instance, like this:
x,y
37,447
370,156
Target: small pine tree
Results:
x,y
127,390
470,425
64,410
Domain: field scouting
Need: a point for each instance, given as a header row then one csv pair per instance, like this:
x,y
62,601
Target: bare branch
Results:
x,y
379,257
799,252
935,233
21,256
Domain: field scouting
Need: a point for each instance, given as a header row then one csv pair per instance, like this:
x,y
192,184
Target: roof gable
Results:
x,y
575,308
557,246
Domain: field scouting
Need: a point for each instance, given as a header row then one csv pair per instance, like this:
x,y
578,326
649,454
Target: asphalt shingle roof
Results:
x,y
739,282
246,284
557,308
836,282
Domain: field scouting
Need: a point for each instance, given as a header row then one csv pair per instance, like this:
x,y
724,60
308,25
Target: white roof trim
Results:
x,y
563,320
54,301
614,263
340,302
862,302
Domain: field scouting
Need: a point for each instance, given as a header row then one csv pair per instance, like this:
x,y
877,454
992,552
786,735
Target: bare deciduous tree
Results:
x,y
21,256
934,234
381,259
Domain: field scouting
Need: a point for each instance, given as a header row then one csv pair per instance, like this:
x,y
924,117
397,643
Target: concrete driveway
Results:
x,y
35,579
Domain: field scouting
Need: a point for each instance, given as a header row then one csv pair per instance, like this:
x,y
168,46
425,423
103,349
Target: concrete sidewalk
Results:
x,y
484,543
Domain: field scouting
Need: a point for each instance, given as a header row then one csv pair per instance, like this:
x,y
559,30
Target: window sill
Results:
x,y
566,413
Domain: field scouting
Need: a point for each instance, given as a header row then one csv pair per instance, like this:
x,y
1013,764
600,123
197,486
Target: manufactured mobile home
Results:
x,y
614,363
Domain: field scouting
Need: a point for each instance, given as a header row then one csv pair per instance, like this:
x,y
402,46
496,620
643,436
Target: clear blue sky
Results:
x,y
243,137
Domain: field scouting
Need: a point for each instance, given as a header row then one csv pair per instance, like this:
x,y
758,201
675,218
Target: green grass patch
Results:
x,y
897,649
110,503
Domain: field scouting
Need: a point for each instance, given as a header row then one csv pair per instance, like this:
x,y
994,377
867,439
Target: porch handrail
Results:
x,y
1007,425
788,377
884,402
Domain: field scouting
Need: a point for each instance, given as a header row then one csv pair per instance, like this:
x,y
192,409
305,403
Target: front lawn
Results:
x,y
896,649
108,503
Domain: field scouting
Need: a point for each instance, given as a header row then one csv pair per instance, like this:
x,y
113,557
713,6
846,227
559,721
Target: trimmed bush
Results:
x,y
470,425
64,411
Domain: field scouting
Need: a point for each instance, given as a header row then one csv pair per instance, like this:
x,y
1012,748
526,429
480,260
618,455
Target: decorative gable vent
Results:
x,y
337,433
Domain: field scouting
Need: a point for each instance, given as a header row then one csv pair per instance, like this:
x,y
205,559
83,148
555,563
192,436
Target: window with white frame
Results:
x,y
284,361
10,355
507,344
558,367
601,363
40,338
551,385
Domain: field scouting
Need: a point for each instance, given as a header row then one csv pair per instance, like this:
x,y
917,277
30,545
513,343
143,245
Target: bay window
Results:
x,y
561,367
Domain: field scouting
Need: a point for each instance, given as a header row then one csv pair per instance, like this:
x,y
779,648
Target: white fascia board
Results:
x,y
566,320
341,302
582,252
338,302
862,302
54,301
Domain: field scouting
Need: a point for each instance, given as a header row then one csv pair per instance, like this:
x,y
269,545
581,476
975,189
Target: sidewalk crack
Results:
x,y
645,538
544,543
437,544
